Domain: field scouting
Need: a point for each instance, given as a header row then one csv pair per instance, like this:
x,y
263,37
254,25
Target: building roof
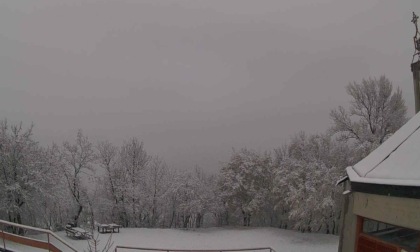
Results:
x,y
395,162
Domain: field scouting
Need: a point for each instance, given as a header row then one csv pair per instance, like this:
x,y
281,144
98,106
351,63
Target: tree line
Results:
x,y
292,186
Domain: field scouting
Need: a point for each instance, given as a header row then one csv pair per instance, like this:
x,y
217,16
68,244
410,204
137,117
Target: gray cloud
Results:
x,y
193,79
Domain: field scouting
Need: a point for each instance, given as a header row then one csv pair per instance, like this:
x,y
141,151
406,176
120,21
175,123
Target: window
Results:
x,y
378,236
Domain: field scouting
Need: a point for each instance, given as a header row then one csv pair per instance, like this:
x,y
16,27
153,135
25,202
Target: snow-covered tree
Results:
x,y
78,158
375,113
134,185
18,164
215,206
186,188
111,204
156,186
192,196
305,180
27,177
51,202
246,183
133,162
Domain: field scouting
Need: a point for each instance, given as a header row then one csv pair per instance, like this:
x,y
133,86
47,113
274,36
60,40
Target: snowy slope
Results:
x,y
216,238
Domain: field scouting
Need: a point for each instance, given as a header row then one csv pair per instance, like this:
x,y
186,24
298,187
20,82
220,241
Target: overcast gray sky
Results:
x,y
194,79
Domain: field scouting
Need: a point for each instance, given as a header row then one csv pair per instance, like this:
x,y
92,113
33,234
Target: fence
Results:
x,y
36,243
194,250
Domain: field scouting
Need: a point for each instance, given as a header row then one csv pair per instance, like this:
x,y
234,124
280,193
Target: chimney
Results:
x,y
415,68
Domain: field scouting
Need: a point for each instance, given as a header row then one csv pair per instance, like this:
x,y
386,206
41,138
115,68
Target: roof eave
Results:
x,y
354,177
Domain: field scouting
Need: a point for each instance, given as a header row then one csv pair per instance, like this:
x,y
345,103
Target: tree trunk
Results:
x,y
76,218
246,218
186,220
19,221
172,218
198,220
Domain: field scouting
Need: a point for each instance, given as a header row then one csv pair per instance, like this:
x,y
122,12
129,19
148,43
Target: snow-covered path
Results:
x,y
215,238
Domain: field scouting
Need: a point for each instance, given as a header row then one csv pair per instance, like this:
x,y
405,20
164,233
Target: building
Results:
x,y
382,198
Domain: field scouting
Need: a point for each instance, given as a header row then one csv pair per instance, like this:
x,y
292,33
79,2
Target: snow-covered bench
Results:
x,y
70,231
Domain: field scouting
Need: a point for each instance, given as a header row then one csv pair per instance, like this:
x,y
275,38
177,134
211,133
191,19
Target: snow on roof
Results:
x,y
395,162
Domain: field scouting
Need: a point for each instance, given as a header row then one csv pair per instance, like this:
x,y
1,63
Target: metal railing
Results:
x,y
193,250
47,245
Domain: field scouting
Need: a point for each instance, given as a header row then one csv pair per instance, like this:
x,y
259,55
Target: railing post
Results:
x,y
49,245
4,242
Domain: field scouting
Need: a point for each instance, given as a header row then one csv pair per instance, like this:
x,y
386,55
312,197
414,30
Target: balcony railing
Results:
x,y
31,242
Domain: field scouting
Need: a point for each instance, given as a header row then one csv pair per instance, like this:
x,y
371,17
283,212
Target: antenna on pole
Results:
x,y
415,66
416,38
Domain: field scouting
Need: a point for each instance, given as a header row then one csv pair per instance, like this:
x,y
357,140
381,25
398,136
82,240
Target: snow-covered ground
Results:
x,y
212,238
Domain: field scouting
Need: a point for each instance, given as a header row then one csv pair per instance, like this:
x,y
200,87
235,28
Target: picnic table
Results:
x,y
109,228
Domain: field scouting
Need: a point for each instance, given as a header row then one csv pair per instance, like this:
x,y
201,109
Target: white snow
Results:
x,y
213,238
395,162
15,247
346,192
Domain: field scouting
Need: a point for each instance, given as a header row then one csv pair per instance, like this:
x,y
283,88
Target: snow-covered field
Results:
x,y
213,238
